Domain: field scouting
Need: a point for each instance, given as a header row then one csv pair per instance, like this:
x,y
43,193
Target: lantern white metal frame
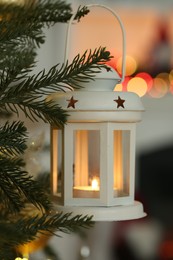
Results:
x,y
115,192
97,146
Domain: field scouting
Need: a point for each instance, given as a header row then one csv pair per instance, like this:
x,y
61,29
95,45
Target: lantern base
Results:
x,y
116,213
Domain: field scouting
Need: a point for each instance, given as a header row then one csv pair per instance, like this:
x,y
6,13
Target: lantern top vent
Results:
x,y
105,80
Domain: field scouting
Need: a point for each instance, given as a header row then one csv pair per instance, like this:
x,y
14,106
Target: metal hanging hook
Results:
x,y
122,31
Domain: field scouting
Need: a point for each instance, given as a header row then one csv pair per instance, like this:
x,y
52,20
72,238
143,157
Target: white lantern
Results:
x,y
93,155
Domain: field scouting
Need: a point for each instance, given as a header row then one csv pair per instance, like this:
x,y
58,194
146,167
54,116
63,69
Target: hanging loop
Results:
x,y
122,31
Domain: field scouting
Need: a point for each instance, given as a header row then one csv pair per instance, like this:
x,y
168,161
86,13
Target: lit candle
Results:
x,y
95,184
91,191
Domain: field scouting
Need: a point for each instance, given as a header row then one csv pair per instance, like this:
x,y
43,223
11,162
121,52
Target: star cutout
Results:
x,y
72,102
120,102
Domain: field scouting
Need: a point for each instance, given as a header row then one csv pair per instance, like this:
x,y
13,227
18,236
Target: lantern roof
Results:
x,y
100,105
105,80
102,100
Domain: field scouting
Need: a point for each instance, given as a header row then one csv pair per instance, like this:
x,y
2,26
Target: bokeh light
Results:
x,y
138,86
131,66
159,89
143,83
118,87
171,81
148,79
122,86
171,76
165,76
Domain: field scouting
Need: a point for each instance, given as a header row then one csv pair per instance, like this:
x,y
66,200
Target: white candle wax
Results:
x,y
87,191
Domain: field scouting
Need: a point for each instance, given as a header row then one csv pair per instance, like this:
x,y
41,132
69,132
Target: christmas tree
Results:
x,y
22,26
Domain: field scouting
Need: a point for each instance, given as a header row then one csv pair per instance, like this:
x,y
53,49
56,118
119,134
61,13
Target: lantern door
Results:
x,y
123,150
82,168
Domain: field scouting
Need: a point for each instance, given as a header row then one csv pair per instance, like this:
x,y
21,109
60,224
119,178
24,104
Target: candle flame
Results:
x,y
95,184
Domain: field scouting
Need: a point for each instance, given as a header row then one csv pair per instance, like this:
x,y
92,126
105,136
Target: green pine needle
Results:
x,y
27,229
27,95
13,138
24,22
16,187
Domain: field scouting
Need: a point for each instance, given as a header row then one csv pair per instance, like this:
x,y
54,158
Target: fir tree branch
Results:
x,y
35,110
13,29
27,229
12,138
57,222
27,95
52,12
15,67
82,69
19,21
16,186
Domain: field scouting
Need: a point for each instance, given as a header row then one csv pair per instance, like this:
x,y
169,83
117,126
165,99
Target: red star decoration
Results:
x,y
120,102
72,102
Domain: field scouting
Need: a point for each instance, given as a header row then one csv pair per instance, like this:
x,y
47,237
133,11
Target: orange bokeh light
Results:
x,y
171,81
131,66
148,79
138,86
122,86
118,87
171,75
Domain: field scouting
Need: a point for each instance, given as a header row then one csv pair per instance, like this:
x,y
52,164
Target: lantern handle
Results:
x,y
122,31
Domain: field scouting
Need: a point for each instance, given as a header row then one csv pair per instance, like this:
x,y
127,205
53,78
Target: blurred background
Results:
x,y
149,73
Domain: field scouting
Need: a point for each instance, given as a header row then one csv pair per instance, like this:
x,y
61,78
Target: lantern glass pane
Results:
x,y
121,163
86,167
57,162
